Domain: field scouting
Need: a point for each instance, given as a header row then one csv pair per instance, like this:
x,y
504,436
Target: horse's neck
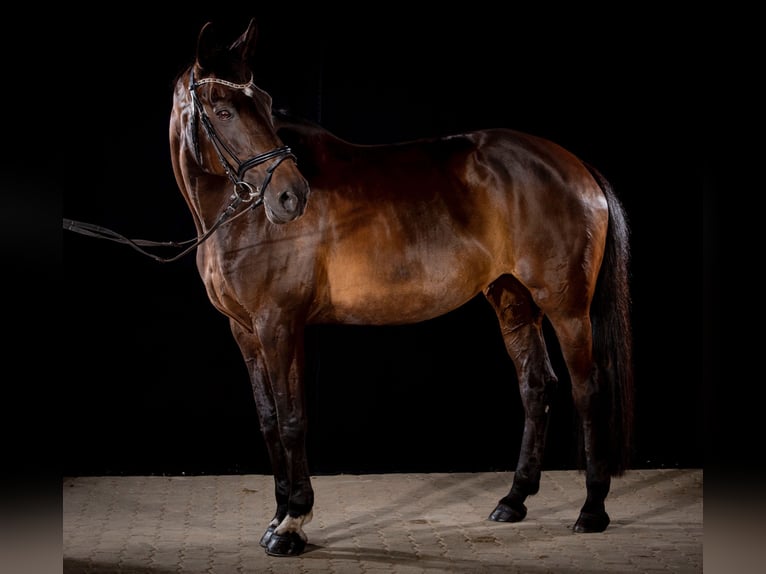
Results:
x,y
312,144
306,134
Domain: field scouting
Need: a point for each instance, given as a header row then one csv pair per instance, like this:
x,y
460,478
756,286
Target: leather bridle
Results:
x,y
242,189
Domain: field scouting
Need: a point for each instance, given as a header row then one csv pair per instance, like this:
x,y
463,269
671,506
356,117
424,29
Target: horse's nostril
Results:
x,y
289,201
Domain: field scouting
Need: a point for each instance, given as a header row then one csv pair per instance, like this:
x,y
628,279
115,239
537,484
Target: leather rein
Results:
x,y
243,193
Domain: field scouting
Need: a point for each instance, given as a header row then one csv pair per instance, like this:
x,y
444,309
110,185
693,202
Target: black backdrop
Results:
x,y
152,382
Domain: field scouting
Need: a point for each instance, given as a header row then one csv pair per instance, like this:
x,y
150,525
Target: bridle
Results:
x,y
244,192
242,189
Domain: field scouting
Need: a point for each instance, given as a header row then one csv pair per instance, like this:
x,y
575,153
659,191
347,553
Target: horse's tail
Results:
x,y
612,333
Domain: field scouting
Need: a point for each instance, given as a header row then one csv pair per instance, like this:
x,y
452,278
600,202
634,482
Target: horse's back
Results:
x,y
504,161
509,165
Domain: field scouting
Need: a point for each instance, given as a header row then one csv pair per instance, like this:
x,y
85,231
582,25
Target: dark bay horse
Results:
x,y
397,234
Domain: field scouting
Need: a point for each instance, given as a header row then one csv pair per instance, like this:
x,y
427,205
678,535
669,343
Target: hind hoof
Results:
x,y
506,513
588,522
288,544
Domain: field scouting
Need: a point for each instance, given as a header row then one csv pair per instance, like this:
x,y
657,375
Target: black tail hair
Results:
x,y
612,332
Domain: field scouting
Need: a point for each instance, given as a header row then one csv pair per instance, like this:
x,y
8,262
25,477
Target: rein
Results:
x,y
243,193
100,232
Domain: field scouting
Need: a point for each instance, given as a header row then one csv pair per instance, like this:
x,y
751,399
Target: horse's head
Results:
x,y
224,122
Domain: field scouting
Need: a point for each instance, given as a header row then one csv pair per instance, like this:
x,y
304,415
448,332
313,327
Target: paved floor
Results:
x,y
384,523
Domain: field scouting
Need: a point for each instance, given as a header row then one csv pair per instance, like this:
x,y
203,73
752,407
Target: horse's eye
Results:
x,y
223,114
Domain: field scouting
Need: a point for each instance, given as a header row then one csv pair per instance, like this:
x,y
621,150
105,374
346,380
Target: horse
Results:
x,y
395,234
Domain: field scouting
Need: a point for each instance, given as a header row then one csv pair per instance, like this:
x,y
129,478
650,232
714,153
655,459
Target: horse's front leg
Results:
x,y
276,374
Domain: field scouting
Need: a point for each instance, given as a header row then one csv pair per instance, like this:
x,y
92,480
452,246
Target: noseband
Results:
x,y
243,191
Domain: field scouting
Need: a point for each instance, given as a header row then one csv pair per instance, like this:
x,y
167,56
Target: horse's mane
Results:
x,y
285,119
308,140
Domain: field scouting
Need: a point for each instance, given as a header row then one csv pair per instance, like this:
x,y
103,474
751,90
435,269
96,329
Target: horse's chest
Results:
x,y
223,286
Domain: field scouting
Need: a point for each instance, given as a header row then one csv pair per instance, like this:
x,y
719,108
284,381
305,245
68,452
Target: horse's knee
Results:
x,y
292,432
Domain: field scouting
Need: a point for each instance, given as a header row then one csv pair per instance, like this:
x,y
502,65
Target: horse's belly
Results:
x,y
381,288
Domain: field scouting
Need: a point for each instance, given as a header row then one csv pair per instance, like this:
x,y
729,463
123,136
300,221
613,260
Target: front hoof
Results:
x,y
288,544
589,522
507,513
267,536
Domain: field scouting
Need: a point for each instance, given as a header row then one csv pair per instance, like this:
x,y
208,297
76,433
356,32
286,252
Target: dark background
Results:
x,y
151,380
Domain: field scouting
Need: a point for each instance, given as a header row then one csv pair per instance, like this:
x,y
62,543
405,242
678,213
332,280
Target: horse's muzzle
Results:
x,y
286,205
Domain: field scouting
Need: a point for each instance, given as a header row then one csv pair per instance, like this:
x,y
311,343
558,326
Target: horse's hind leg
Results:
x,y
575,338
521,327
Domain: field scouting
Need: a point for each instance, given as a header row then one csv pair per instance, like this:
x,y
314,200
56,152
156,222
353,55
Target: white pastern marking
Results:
x,y
295,524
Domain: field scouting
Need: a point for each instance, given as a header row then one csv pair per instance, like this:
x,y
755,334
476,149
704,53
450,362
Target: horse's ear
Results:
x,y
245,44
210,46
